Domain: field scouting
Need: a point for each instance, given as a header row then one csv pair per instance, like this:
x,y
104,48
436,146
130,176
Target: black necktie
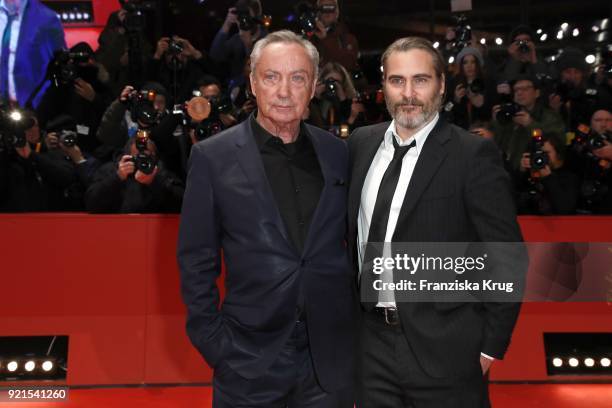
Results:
x,y
380,219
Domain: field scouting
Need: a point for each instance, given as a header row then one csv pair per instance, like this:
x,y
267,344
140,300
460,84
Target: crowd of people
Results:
x,y
101,139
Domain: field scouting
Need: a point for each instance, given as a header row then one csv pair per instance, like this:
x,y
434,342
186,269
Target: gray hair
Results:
x,y
285,37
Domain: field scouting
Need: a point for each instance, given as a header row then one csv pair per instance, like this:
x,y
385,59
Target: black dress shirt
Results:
x,y
295,177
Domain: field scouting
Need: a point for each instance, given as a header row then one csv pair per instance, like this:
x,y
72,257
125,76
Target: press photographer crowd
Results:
x,y
110,131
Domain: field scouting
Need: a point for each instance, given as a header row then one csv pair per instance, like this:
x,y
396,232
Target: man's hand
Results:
x,y
74,153
525,162
125,167
523,118
52,141
125,93
545,172
189,50
485,364
84,89
494,111
605,152
320,31
146,179
460,93
230,20
162,47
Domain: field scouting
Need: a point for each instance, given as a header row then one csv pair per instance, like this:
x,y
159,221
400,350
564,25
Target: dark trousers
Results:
x,y
290,382
391,377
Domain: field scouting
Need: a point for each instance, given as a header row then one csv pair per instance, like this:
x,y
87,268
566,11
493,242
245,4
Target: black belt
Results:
x,y
390,315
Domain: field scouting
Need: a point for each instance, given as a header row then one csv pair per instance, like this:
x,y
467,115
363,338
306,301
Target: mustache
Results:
x,y
408,102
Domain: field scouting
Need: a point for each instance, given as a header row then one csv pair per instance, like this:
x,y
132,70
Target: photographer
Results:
x,y
547,187
335,102
177,65
136,183
513,123
473,93
36,178
332,38
118,124
113,48
522,58
232,51
84,95
573,97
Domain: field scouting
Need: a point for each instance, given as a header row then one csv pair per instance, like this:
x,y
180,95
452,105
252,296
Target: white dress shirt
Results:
x,y
15,27
371,184
377,169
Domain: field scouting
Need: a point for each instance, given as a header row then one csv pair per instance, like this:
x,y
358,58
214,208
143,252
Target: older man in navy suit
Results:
x,y
271,192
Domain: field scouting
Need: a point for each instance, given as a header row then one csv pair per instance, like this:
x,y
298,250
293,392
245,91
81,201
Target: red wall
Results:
x,y
111,284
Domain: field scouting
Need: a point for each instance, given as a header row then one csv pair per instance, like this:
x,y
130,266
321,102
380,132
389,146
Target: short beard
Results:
x,y
428,111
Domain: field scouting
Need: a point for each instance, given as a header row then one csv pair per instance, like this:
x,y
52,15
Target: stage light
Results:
x,y
543,37
573,362
16,116
590,59
79,16
86,16
576,32
30,366
589,362
605,362
483,41
539,31
13,366
499,41
564,26
557,362
47,366
71,16
595,29
560,35
64,16
436,44
451,60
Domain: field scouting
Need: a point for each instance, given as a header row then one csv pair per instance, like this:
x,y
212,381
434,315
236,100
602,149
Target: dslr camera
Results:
x,y
141,106
13,124
507,111
144,161
64,67
64,127
523,47
246,22
537,156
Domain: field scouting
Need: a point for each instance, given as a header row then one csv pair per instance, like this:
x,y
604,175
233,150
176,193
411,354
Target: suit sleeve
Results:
x,y
491,210
199,260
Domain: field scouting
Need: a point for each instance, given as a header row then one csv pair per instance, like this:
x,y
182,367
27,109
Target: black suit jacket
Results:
x,y
458,192
229,205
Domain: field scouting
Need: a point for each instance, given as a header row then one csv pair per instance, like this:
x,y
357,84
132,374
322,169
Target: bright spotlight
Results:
x,y
544,37
573,362
483,41
605,362
564,26
47,366
12,366
557,362
560,35
539,31
451,60
436,44
576,32
30,366
590,59
499,41
589,362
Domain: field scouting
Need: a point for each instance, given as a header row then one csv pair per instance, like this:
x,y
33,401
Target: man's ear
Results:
x,y
442,84
252,80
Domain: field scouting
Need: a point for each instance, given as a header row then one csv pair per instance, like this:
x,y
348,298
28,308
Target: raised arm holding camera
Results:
x,y
231,51
513,122
522,58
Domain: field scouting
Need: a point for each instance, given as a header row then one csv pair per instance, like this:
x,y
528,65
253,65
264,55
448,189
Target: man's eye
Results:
x,y
298,79
420,81
270,77
397,81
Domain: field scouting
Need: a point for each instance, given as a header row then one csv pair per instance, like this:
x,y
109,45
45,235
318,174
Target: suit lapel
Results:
x,y
249,158
365,153
429,161
328,181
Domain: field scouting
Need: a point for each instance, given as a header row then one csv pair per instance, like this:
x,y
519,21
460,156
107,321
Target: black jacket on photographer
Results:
x,y
109,194
464,113
86,114
117,124
37,183
556,194
187,75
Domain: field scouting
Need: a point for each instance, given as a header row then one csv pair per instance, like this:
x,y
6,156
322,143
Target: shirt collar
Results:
x,y
22,7
419,136
262,136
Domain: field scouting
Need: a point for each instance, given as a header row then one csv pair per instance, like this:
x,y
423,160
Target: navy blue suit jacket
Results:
x,y
229,205
40,35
